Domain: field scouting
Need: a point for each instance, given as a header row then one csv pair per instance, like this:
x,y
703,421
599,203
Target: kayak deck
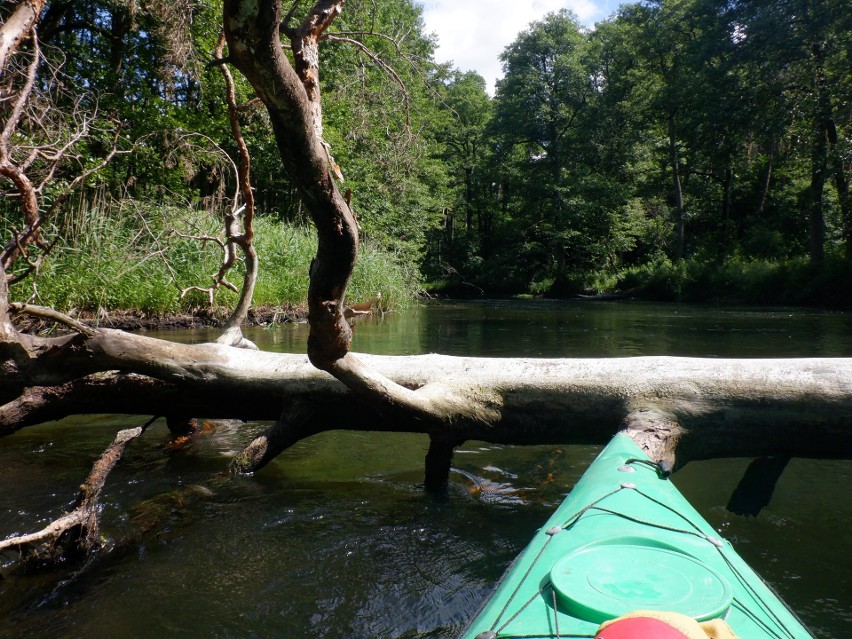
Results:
x,y
625,539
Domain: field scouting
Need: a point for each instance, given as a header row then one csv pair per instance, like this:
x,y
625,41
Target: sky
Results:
x,y
473,34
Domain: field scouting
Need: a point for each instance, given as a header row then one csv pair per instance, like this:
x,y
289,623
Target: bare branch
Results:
x,y
55,316
209,291
285,23
249,105
33,266
29,201
219,151
8,334
20,102
305,45
371,33
231,331
383,65
85,175
244,170
22,250
57,155
160,250
202,238
34,112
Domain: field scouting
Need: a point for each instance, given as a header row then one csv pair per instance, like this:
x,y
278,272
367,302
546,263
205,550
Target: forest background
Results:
x,y
686,149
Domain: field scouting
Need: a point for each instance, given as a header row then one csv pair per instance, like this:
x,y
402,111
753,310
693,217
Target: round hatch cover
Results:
x,y
603,582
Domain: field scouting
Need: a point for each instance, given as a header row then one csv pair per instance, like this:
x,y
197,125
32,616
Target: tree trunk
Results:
x,y
816,217
767,182
121,23
468,201
819,155
841,184
677,189
728,208
291,95
679,408
292,99
17,28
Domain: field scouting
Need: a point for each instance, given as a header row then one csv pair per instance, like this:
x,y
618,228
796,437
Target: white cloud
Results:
x,y
473,34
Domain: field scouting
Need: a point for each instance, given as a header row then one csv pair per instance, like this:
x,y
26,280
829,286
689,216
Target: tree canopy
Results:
x,y
682,130
689,131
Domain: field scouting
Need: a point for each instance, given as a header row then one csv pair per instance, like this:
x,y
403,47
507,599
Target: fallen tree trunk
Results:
x,y
678,409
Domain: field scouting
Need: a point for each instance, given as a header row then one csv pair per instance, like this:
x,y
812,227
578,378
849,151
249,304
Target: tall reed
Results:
x,y
131,255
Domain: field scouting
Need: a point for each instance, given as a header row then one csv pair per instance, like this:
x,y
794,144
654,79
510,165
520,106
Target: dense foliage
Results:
x,y
682,147
716,134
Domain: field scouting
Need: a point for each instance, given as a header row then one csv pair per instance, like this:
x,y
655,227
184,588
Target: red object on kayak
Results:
x,y
639,628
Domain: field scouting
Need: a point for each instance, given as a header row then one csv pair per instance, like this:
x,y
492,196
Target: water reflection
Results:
x,y
588,329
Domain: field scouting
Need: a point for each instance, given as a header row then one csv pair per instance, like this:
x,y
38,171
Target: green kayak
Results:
x,y
625,539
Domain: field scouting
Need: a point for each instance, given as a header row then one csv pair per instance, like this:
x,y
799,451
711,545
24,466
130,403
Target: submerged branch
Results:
x,y
77,532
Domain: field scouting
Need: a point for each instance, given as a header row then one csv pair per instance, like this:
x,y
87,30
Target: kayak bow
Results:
x,y
623,540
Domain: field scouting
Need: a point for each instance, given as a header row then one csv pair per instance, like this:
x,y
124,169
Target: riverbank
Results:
x,y
792,282
735,281
139,320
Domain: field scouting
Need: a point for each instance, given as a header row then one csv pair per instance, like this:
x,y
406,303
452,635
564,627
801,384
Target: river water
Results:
x,y
337,537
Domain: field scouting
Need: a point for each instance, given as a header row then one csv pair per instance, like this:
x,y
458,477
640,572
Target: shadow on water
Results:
x,y
337,537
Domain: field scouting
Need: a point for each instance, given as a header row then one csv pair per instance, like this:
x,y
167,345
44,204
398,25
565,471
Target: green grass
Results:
x,y
132,256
